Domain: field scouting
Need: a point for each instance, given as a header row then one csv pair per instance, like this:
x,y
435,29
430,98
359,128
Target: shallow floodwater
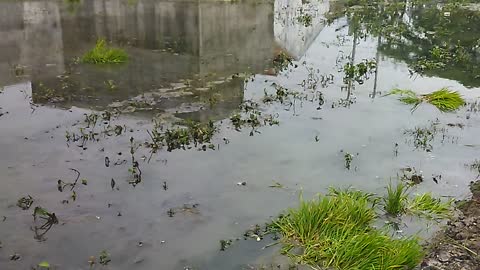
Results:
x,y
200,61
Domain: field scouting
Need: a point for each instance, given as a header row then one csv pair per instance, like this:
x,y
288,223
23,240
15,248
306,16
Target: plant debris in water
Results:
x,y
25,202
282,61
423,137
348,160
104,258
444,99
104,54
359,72
195,133
252,116
305,19
49,218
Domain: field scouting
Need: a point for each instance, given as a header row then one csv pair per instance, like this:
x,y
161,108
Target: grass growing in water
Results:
x,y
336,231
427,206
444,99
103,54
395,200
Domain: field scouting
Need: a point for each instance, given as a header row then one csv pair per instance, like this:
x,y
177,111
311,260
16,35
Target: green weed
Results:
x,y
336,232
305,20
359,72
395,201
103,54
195,133
444,99
426,206
282,61
25,202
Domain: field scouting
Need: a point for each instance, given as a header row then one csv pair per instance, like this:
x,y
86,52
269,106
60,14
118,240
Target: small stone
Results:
x,y
444,256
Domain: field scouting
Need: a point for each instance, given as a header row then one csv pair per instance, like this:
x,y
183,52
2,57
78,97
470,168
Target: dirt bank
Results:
x,y
458,245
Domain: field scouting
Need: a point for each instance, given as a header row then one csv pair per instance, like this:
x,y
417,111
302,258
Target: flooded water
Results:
x,y
202,60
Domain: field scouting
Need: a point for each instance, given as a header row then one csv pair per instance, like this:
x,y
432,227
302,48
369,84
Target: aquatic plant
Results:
x,y
104,54
49,218
348,160
195,133
396,199
444,99
25,202
427,206
423,137
305,20
282,61
336,232
359,72
104,258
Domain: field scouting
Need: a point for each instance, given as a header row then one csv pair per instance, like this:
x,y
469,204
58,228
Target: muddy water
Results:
x,y
182,56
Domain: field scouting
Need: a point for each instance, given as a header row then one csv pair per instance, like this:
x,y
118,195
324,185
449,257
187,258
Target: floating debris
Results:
x,y
25,202
444,99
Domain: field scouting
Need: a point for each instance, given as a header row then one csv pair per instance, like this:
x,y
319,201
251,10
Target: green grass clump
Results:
x,y
444,99
395,201
103,54
427,206
336,232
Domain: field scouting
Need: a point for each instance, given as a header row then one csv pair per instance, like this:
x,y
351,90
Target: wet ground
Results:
x,y
202,61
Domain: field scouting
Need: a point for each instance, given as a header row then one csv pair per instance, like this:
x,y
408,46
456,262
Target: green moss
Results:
x,y
103,54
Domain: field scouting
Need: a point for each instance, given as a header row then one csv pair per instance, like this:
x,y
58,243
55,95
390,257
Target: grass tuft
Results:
x,y
104,54
426,206
396,199
444,99
336,232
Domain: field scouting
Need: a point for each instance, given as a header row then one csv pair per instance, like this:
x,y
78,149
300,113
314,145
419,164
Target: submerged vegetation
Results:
x,y
194,133
444,99
104,54
282,61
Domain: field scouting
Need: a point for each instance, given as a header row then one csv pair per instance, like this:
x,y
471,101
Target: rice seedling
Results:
x,y
104,54
396,199
425,205
336,231
444,99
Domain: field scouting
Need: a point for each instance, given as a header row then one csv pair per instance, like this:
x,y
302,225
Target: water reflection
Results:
x,y
183,54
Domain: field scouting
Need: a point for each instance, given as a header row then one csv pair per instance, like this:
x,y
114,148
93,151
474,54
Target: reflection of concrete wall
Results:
x,y
11,36
42,45
31,37
235,37
291,35
167,40
225,37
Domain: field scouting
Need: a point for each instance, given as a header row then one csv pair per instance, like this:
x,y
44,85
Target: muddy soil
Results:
x,y
458,245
